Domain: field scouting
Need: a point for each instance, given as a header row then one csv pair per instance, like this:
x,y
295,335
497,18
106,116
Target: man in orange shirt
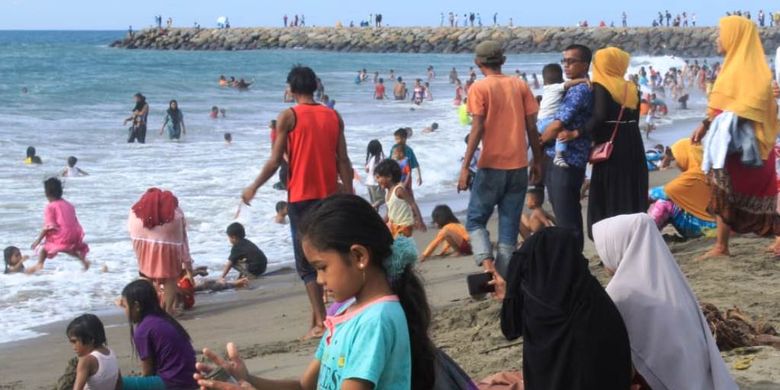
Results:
x,y
504,121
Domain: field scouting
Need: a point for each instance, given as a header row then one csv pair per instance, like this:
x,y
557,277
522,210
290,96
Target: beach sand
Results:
x,y
267,320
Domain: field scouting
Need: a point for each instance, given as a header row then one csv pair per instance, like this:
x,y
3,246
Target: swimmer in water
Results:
x,y
214,112
71,170
223,81
228,138
32,158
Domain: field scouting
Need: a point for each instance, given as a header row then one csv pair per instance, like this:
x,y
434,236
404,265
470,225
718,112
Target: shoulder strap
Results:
x,y
620,116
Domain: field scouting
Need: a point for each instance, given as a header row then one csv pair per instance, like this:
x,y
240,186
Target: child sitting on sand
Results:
x,y
32,158
553,91
98,368
281,213
14,261
71,170
380,341
161,343
453,234
61,230
537,219
401,208
245,257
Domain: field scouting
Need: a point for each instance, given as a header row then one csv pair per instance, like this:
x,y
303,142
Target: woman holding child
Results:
x,y
743,196
159,232
619,184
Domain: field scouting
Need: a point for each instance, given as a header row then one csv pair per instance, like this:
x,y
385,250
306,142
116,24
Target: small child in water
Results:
x,y
61,230
228,138
32,158
553,91
537,219
98,368
430,129
406,171
401,208
281,213
71,170
214,114
453,234
14,261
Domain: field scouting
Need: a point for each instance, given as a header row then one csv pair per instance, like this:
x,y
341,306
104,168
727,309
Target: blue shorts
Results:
x,y
542,124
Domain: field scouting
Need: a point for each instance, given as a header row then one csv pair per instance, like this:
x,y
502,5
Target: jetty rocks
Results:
x,y
687,42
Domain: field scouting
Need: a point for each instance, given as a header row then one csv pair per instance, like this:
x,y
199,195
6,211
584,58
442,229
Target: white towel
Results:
x,y
716,141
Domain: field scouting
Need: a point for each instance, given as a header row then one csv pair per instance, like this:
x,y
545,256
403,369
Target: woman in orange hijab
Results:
x,y
683,201
743,198
618,185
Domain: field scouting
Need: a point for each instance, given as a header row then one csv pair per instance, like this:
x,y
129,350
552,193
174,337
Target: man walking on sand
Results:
x,y
564,184
504,114
312,135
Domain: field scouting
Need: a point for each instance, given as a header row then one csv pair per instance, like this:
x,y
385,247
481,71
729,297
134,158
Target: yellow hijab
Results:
x,y
690,190
744,84
609,70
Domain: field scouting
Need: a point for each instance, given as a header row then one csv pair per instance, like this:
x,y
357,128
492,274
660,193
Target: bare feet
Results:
x,y
86,264
314,333
715,252
241,283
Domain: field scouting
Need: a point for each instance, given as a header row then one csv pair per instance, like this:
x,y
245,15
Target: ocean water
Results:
x,y
80,90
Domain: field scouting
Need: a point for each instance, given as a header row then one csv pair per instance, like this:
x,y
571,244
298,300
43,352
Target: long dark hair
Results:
x,y
374,150
139,105
8,252
174,114
341,221
141,294
442,215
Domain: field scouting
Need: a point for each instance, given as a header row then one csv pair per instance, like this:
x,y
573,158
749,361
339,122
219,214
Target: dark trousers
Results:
x,y
137,133
297,211
563,187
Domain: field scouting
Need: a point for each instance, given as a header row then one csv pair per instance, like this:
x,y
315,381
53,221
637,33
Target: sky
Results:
x,y
118,15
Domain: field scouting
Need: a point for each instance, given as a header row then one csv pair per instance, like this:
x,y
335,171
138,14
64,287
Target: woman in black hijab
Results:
x,y
573,335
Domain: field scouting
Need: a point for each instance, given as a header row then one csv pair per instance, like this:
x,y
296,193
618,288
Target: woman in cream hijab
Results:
x,y
672,347
743,198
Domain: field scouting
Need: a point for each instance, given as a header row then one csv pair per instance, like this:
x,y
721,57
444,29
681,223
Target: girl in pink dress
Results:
x,y
61,229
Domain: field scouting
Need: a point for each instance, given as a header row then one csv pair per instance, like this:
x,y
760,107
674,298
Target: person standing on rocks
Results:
x,y
312,135
495,19
564,184
285,20
625,19
504,110
452,19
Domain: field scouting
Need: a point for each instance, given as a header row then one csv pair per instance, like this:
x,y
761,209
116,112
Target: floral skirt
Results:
x,y
746,198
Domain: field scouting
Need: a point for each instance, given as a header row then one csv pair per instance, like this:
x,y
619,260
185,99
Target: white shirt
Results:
x,y
107,373
552,96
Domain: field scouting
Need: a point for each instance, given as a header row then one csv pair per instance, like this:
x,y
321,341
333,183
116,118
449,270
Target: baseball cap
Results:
x,y
489,52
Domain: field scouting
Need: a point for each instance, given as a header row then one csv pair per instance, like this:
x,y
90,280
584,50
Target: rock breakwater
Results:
x,y
689,42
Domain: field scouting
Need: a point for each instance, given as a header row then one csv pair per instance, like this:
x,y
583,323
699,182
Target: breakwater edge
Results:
x,y
688,41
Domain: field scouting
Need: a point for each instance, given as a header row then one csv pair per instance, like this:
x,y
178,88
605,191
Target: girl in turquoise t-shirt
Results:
x,y
378,342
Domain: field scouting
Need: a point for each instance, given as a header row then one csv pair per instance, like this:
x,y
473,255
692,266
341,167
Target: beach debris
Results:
x,y
743,363
736,329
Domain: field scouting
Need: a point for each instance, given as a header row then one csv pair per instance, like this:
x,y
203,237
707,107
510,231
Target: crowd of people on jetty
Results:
x,y
645,330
